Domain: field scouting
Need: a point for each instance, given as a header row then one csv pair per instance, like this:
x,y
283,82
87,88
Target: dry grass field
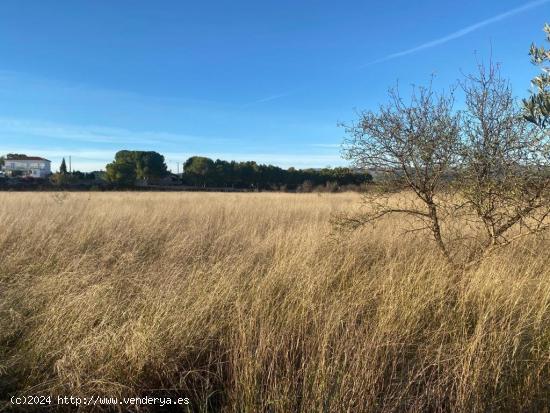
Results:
x,y
251,303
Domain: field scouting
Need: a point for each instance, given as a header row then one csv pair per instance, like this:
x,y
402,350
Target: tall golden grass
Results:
x,y
251,303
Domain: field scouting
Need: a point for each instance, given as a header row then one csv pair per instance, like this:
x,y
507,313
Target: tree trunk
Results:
x,y
436,231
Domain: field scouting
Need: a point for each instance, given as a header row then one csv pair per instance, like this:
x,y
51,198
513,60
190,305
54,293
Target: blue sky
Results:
x,y
244,80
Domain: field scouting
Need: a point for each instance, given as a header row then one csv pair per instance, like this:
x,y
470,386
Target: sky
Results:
x,y
237,80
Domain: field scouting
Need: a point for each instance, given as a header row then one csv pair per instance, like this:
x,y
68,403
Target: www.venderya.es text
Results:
x,y
98,401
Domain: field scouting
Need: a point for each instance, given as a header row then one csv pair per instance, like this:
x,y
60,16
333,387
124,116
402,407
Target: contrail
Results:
x,y
273,97
269,98
461,32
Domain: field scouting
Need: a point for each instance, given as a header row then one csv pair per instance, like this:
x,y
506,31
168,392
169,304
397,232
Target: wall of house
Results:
x,y
38,169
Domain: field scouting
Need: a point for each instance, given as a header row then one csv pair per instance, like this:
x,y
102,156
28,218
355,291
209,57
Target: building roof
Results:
x,y
28,158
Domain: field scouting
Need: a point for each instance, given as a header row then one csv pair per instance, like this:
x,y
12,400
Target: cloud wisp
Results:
x,y
460,33
96,134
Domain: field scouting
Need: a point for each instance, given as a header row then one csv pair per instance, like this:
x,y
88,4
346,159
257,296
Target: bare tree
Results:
x,y
408,146
503,177
485,166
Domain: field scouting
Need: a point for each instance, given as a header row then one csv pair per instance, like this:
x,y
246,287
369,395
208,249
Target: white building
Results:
x,y
30,166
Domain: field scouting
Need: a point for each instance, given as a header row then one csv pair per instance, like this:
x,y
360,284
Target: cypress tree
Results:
x,y
63,167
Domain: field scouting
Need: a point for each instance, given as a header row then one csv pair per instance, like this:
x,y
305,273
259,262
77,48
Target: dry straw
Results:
x,y
250,303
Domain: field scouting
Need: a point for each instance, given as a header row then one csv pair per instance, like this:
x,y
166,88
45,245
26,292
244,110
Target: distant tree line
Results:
x,y
139,167
201,171
146,168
